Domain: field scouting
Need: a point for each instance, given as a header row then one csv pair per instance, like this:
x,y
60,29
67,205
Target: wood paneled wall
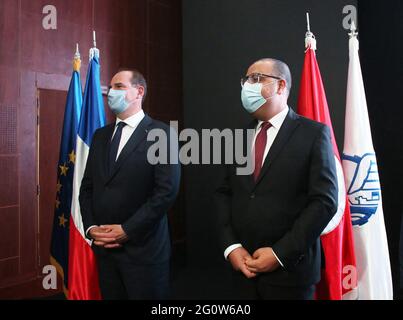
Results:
x,y
144,34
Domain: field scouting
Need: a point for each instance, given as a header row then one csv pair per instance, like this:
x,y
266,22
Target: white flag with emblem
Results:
x,y
364,190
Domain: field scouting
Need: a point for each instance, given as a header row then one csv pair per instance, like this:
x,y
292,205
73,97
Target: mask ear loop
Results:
x,y
268,98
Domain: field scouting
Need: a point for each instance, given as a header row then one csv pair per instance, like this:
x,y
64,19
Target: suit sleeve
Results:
x,y
322,205
166,187
222,202
86,189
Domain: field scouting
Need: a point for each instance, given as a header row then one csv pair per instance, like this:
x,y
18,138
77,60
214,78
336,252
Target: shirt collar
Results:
x,y
132,121
277,120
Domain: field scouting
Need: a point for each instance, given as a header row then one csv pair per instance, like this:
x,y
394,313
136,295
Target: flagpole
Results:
x,y
94,51
353,33
94,37
77,60
310,41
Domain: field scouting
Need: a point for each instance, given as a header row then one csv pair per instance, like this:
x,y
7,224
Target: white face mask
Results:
x,y
117,101
251,96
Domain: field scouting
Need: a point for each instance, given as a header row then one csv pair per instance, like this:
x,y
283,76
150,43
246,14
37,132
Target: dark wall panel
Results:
x,y
144,34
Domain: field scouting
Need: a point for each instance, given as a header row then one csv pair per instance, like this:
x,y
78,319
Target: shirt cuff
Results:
x,y
88,230
230,249
277,258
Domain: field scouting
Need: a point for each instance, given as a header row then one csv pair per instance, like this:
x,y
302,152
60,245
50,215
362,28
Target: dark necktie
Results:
x,y
260,146
114,146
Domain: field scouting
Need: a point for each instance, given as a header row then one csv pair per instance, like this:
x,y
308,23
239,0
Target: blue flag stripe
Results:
x,y
93,113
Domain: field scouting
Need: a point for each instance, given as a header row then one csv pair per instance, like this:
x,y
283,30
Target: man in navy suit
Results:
x,y
124,199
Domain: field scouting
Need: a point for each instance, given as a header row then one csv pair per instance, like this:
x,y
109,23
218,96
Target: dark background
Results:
x,y
382,63
222,38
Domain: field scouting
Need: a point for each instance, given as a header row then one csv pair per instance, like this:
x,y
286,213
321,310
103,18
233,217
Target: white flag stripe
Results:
x,y
82,151
364,191
341,200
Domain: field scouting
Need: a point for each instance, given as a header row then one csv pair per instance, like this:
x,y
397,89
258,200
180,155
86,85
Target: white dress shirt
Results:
x,y
276,122
131,124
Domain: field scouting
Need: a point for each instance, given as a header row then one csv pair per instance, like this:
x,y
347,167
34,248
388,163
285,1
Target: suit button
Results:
x,y
252,196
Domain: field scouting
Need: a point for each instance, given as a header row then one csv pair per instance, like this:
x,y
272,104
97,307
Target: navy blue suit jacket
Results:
x,y
134,193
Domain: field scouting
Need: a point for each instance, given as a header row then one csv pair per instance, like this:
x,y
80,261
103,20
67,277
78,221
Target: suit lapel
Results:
x,y
105,151
249,178
289,125
136,138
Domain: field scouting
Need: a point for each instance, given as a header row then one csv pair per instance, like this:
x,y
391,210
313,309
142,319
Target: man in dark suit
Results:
x,y
270,221
124,199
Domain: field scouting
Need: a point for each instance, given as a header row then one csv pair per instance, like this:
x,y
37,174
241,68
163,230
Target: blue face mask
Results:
x,y
251,96
117,101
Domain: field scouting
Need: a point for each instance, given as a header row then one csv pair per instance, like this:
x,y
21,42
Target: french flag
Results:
x,y
83,275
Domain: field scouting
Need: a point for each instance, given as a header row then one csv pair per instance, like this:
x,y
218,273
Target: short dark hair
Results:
x,y
137,79
281,70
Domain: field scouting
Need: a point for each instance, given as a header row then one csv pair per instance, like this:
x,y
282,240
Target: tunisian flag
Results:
x,y
83,274
339,279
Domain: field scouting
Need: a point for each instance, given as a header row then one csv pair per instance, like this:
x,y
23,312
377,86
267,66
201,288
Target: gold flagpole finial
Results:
x,y
77,60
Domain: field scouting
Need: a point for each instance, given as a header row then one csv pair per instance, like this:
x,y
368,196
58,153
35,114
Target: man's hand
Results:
x,y
263,260
100,236
116,231
108,236
238,258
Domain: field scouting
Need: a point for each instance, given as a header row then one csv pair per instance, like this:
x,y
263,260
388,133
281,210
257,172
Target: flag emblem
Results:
x,y
364,191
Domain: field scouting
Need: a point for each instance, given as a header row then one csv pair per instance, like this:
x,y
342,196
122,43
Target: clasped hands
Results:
x,y
262,260
108,236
